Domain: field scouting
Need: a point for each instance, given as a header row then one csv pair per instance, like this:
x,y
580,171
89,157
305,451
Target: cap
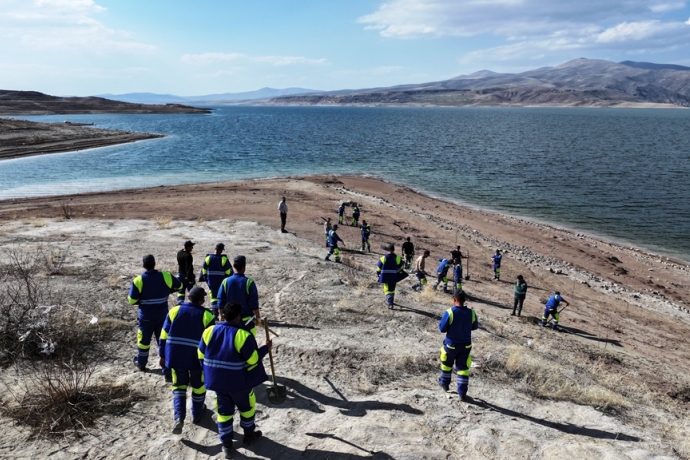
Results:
x,y
239,260
197,293
188,244
148,259
220,246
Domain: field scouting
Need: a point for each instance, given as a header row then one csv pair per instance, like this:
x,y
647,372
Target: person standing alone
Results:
x,y
520,294
282,208
496,263
185,270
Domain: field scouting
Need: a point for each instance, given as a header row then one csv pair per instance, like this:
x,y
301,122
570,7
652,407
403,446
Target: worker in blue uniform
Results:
x,y
333,240
355,215
496,263
442,274
185,271
150,291
214,270
231,361
366,233
551,309
390,270
341,213
457,274
458,323
177,350
240,289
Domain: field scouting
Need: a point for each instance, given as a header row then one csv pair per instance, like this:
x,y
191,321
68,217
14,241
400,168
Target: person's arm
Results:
x,y
204,270
205,338
248,349
253,299
176,284
222,296
227,267
135,290
475,321
164,334
443,325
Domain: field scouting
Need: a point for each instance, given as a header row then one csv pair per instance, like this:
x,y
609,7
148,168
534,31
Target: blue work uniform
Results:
x,y
458,324
366,232
497,265
333,239
355,215
214,270
238,288
341,213
442,273
390,270
178,346
457,276
231,361
150,291
551,309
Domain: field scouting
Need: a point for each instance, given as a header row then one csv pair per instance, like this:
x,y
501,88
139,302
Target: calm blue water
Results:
x,y
617,173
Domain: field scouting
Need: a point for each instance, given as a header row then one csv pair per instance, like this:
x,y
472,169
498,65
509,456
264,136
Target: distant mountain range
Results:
x,y
581,82
209,99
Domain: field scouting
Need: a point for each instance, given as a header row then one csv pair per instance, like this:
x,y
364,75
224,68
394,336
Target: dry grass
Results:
x,y
164,222
61,400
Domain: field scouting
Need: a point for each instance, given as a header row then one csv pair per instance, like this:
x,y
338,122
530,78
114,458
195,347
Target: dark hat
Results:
x,y
388,247
188,244
239,260
148,259
558,293
197,293
220,246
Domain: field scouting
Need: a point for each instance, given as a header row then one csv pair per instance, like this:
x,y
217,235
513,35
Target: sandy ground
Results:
x,y
362,378
21,138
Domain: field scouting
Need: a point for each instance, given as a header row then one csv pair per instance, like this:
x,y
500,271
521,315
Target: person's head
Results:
x,y
149,262
520,278
188,246
457,247
231,312
220,247
335,227
407,239
364,222
459,297
196,295
283,200
558,293
426,253
498,251
390,247
328,219
239,263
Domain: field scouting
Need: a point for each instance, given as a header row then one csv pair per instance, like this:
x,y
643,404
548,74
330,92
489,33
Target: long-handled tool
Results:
x,y
276,394
253,318
467,277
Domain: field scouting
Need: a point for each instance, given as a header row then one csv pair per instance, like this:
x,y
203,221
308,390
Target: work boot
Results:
x,y
464,398
196,420
327,258
227,452
177,428
445,289
337,261
445,387
250,437
136,363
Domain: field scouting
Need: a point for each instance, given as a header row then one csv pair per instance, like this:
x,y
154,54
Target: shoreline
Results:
x,y
23,139
527,220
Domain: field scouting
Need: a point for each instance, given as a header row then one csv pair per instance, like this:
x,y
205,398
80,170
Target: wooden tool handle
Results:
x,y
270,352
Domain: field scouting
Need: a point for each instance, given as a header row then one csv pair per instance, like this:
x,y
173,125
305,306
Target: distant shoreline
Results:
x,y
21,138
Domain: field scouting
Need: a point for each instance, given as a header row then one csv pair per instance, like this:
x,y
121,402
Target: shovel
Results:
x,y
467,277
276,393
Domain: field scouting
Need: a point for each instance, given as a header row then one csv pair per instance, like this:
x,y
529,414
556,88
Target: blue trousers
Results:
x,y
245,401
456,357
389,290
553,312
187,286
181,379
147,328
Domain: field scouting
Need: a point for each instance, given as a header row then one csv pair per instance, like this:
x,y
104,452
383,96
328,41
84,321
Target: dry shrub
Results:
x,y
67,211
164,222
54,259
61,400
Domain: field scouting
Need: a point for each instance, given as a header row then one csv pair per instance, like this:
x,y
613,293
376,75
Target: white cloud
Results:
x,y
70,25
664,7
218,58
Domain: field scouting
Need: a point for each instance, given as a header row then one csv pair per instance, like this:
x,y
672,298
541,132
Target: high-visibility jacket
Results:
x,y
457,273
366,231
497,260
391,269
333,239
238,288
181,334
150,291
215,269
355,212
458,324
443,267
231,359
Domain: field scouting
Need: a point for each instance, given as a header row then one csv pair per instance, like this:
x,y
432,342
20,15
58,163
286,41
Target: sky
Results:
x,y
87,47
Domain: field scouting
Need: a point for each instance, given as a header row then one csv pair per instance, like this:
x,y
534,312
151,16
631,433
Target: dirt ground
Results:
x,y
362,378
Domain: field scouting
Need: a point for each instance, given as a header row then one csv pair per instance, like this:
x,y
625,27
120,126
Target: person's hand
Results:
x,y
258,322
269,343
161,362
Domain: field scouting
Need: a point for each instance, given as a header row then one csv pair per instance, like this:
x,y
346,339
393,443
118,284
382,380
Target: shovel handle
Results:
x,y
270,352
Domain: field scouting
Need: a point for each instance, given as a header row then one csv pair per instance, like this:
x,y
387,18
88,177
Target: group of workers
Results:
x,y
204,349
217,349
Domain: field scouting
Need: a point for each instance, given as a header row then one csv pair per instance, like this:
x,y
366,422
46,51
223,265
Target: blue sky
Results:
x,y
84,47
